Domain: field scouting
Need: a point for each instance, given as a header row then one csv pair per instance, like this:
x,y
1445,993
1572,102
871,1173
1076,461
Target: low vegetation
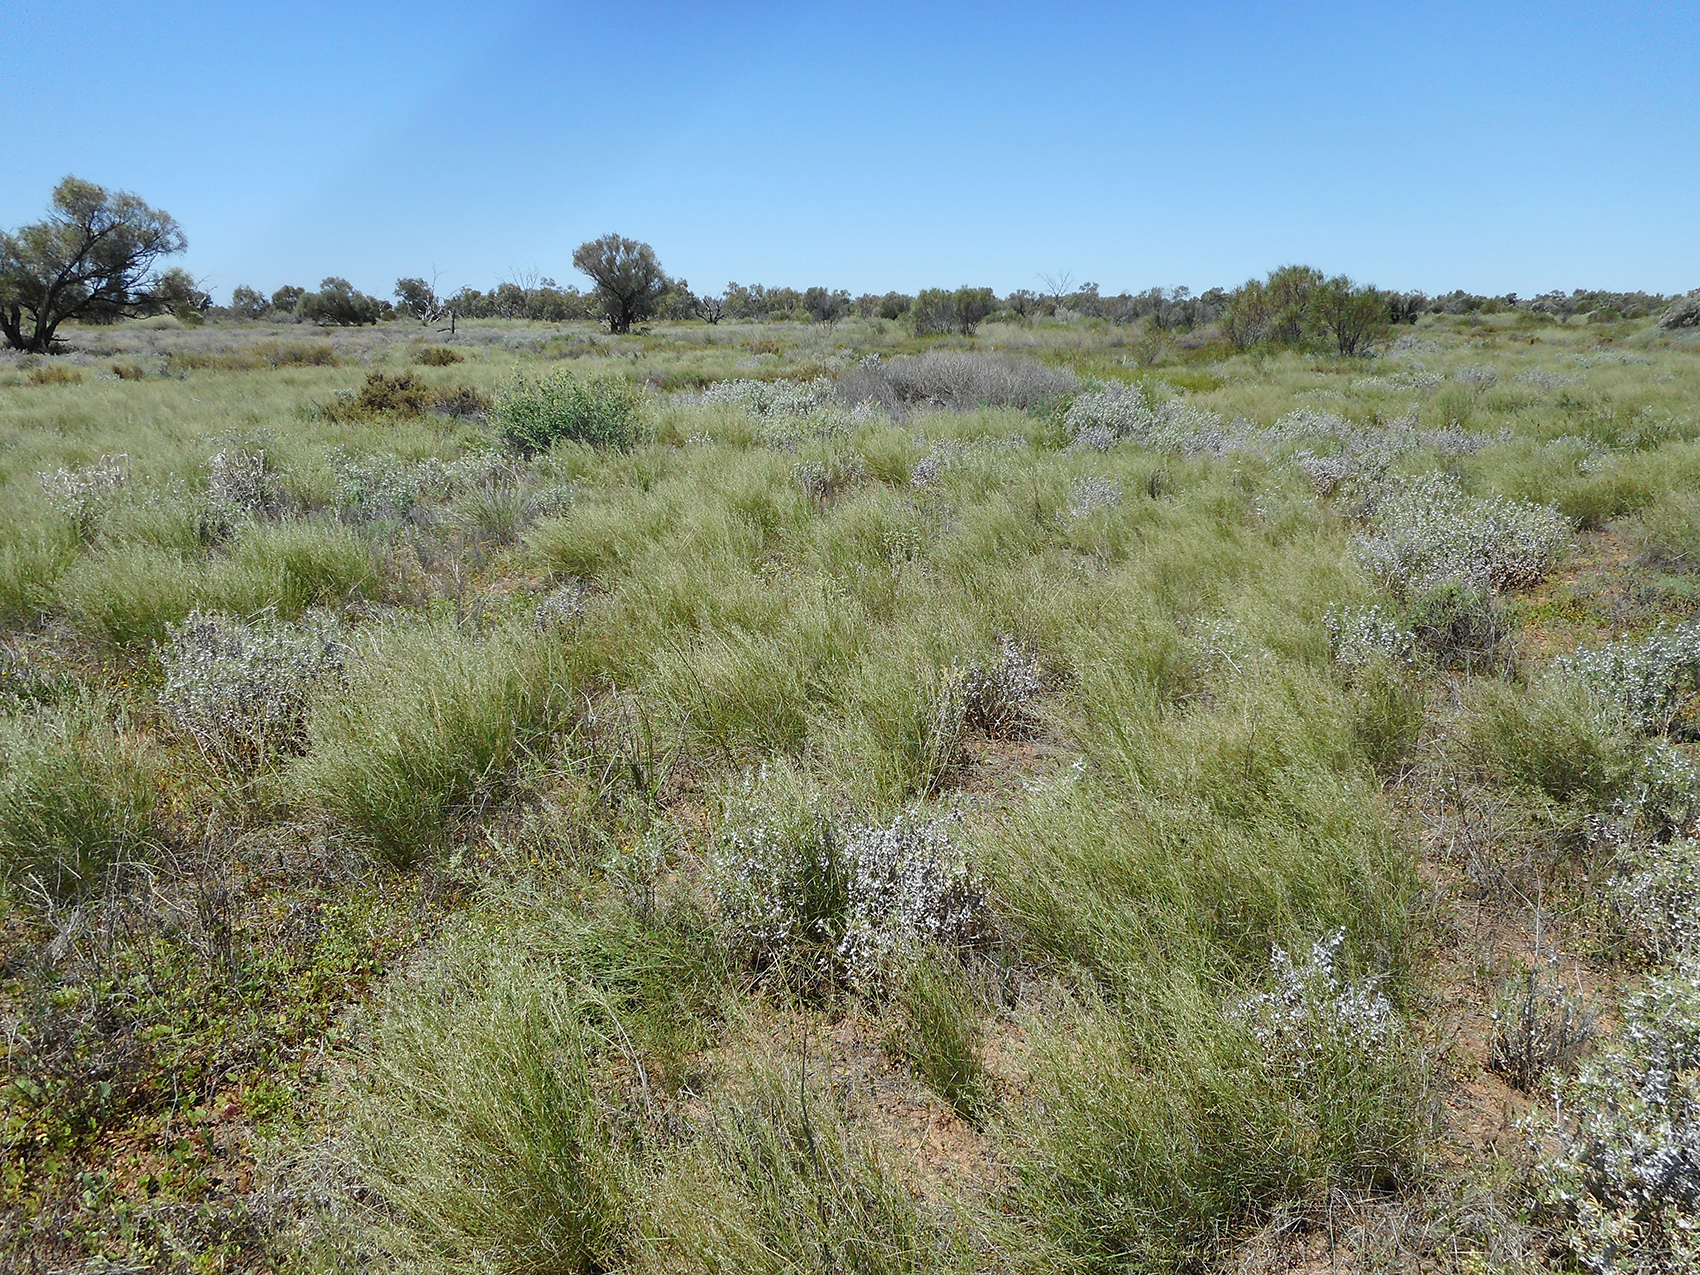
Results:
x,y
941,783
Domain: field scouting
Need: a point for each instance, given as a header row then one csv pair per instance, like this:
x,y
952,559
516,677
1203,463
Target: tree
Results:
x,y
629,280
248,303
826,305
936,310
419,299
712,309
1353,315
1290,290
287,298
337,304
92,258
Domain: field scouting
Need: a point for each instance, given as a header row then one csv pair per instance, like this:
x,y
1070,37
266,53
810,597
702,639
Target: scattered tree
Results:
x,y
92,259
629,280
711,309
248,303
287,298
936,310
419,299
826,305
1351,314
337,304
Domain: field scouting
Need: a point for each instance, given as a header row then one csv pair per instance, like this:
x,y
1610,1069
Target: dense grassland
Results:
x,y
801,797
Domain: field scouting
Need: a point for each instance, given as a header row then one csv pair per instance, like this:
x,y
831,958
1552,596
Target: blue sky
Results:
x,y
1494,146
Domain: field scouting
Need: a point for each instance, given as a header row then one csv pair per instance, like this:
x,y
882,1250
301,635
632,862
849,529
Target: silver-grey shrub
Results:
x,y
240,484
1130,413
1656,899
1426,533
1360,635
956,379
996,698
1652,681
84,493
1312,1014
1093,493
241,689
804,897
560,612
1622,1171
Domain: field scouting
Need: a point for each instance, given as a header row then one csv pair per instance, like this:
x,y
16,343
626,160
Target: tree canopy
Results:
x,y
91,258
630,283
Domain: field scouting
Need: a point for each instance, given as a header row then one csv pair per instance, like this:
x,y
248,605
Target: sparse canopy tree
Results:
x,y
419,299
337,304
1352,315
92,258
826,305
629,280
711,309
248,303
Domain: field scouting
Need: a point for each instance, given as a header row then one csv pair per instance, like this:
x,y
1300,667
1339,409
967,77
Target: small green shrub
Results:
x,y
75,799
403,395
438,356
533,415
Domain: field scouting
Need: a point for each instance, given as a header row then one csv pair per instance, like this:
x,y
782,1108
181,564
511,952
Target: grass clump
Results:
x,y
939,1032
438,356
434,722
76,799
532,415
481,1122
1553,737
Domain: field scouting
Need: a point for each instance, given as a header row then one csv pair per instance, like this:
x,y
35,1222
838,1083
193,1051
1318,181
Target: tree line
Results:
x,y
96,258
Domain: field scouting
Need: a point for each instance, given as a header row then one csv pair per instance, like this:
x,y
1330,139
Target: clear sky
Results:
x,y
1493,145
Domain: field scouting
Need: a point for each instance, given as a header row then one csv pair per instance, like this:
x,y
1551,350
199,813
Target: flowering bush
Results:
x,y
801,896
561,611
1653,682
1093,493
1427,533
241,690
241,485
84,493
1359,635
1657,898
1624,1175
1311,1015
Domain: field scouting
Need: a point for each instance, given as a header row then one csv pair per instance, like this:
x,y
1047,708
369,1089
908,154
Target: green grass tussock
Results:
x,y
76,799
434,721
